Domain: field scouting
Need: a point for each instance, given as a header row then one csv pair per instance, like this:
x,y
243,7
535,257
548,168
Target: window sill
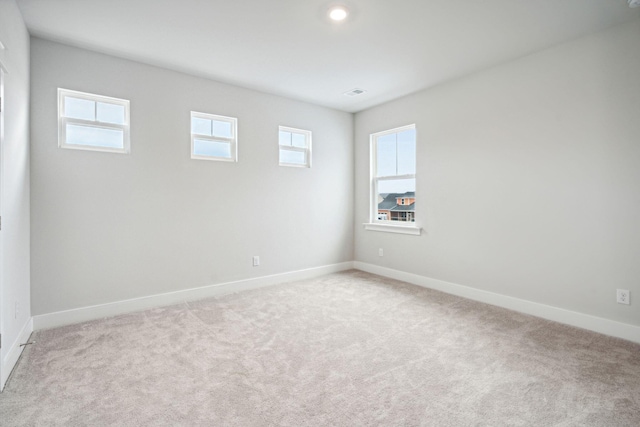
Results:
x,y
218,159
94,148
389,228
295,165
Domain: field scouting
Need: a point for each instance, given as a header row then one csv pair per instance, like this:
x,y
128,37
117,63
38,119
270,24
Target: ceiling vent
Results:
x,y
356,92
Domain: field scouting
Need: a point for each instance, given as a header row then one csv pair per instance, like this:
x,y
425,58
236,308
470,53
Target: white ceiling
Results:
x,y
288,47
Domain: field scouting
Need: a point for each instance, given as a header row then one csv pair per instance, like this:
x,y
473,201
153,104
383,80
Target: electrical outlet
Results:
x,y
256,261
623,296
380,252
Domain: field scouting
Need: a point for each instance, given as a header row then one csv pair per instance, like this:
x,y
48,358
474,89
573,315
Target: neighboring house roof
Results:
x,y
389,203
404,208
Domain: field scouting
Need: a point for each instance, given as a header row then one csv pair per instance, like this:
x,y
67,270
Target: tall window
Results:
x,y
393,176
92,122
214,137
295,147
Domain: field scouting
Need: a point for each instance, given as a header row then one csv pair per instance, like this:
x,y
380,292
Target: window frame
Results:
x,y
375,224
63,121
307,150
233,140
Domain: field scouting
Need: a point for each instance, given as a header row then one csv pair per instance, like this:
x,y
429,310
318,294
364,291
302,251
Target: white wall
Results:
x,y
528,178
15,186
108,227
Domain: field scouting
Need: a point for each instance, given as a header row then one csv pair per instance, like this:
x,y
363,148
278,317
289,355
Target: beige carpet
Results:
x,y
348,349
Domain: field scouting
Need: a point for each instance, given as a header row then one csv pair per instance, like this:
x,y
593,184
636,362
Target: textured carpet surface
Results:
x,y
347,349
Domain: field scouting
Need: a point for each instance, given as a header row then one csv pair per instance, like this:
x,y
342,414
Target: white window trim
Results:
x,y
63,121
233,140
307,150
388,228
374,223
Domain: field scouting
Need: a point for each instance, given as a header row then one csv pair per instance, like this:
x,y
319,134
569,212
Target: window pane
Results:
x,y
211,148
386,155
79,108
200,126
407,152
299,140
293,157
94,136
396,200
111,113
284,138
396,186
222,129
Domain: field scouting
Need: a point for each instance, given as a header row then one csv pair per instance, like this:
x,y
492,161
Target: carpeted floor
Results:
x,y
348,349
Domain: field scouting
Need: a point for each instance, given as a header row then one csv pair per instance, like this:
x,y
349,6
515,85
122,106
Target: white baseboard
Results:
x,y
580,320
14,352
67,317
83,314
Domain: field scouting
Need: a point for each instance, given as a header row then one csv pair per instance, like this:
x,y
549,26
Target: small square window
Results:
x,y
92,122
295,147
214,137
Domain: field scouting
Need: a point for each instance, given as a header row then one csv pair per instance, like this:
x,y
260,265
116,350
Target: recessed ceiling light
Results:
x,y
338,13
354,92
